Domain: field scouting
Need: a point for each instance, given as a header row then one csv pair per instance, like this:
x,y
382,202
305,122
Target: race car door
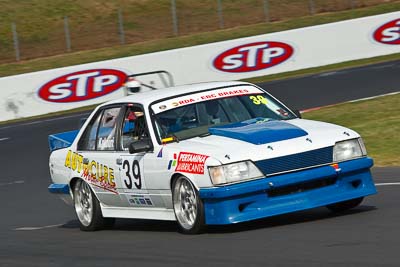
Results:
x,y
97,148
132,176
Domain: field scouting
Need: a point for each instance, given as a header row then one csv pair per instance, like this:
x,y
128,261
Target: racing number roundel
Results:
x,y
253,57
82,85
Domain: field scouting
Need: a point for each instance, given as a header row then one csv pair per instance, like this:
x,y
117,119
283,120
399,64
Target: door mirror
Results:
x,y
143,145
297,112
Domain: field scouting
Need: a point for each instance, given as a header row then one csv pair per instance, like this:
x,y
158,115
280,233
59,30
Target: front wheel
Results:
x,y
188,207
345,205
88,210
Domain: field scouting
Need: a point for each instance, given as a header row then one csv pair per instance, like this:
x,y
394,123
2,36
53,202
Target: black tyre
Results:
x,y
87,208
188,207
345,205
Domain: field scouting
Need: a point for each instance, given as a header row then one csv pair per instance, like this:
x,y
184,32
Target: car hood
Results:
x,y
260,139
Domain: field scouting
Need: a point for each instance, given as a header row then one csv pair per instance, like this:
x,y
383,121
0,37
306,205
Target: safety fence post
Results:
x,y
174,18
67,34
220,14
266,11
311,6
15,39
121,27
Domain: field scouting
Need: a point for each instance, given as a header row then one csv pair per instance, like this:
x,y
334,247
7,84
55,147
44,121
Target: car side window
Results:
x,y
107,128
88,139
133,127
100,133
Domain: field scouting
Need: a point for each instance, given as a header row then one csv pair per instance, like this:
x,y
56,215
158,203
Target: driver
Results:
x,y
132,86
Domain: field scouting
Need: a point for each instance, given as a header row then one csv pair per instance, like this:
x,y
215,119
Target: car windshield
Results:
x,y
192,115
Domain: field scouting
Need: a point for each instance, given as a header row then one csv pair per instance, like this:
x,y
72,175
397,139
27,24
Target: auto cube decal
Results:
x,y
94,172
388,33
253,57
82,85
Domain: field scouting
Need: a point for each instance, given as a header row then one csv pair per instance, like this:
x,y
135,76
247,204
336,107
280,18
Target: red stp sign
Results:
x,y
82,85
388,33
253,56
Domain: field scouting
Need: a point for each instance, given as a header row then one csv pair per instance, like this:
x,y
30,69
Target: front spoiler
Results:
x,y
252,200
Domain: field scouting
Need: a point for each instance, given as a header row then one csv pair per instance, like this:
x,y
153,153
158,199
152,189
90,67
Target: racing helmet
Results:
x,y
132,86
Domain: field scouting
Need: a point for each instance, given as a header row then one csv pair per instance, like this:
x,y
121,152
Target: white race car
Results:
x,y
205,154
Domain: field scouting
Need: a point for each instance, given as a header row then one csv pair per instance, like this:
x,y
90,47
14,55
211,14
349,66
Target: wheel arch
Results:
x,y
178,174
173,178
73,182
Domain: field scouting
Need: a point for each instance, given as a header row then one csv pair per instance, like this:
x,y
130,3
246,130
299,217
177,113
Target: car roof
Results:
x,y
146,98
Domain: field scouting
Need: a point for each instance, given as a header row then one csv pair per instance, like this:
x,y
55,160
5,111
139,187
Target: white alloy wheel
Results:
x,y
83,203
88,209
188,206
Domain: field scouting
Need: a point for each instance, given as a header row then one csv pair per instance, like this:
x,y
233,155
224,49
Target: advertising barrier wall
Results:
x,y
82,85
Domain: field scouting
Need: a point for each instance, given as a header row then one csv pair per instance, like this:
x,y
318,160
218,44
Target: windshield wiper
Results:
x,y
175,137
204,134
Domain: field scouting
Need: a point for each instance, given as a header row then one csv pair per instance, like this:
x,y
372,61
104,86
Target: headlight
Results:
x,y
234,172
349,149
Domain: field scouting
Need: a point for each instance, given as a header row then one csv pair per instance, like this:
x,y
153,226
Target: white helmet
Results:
x,y
132,86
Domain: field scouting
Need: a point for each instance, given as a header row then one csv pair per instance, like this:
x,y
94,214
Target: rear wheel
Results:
x,y
188,207
88,210
345,205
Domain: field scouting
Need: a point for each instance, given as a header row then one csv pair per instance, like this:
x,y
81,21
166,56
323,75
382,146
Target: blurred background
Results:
x,y
39,28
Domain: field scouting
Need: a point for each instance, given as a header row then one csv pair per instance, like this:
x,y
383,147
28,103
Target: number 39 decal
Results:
x,y
258,100
132,171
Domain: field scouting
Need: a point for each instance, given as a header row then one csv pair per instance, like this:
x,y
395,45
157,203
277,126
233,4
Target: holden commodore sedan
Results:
x,y
205,154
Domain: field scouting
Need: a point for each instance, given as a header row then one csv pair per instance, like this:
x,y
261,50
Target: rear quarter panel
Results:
x,y
59,173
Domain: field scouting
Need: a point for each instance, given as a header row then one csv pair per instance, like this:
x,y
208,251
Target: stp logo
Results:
x,y
252,57
388,33
82,85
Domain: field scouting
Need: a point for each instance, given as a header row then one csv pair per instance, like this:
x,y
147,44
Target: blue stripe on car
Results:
x,y
257,131
59,188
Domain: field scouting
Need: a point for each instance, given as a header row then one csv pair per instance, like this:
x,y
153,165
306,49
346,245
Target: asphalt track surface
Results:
x,y
38,229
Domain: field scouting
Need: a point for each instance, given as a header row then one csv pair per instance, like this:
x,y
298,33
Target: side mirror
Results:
x,y
143,145
297,112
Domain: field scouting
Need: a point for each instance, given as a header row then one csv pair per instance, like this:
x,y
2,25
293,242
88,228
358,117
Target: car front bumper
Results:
x,y
288,192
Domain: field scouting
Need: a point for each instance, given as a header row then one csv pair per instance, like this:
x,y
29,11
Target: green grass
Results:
x,y
94,23
184,41
376,120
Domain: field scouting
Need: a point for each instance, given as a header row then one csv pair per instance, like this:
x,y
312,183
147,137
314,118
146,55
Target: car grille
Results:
x,y
296,161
